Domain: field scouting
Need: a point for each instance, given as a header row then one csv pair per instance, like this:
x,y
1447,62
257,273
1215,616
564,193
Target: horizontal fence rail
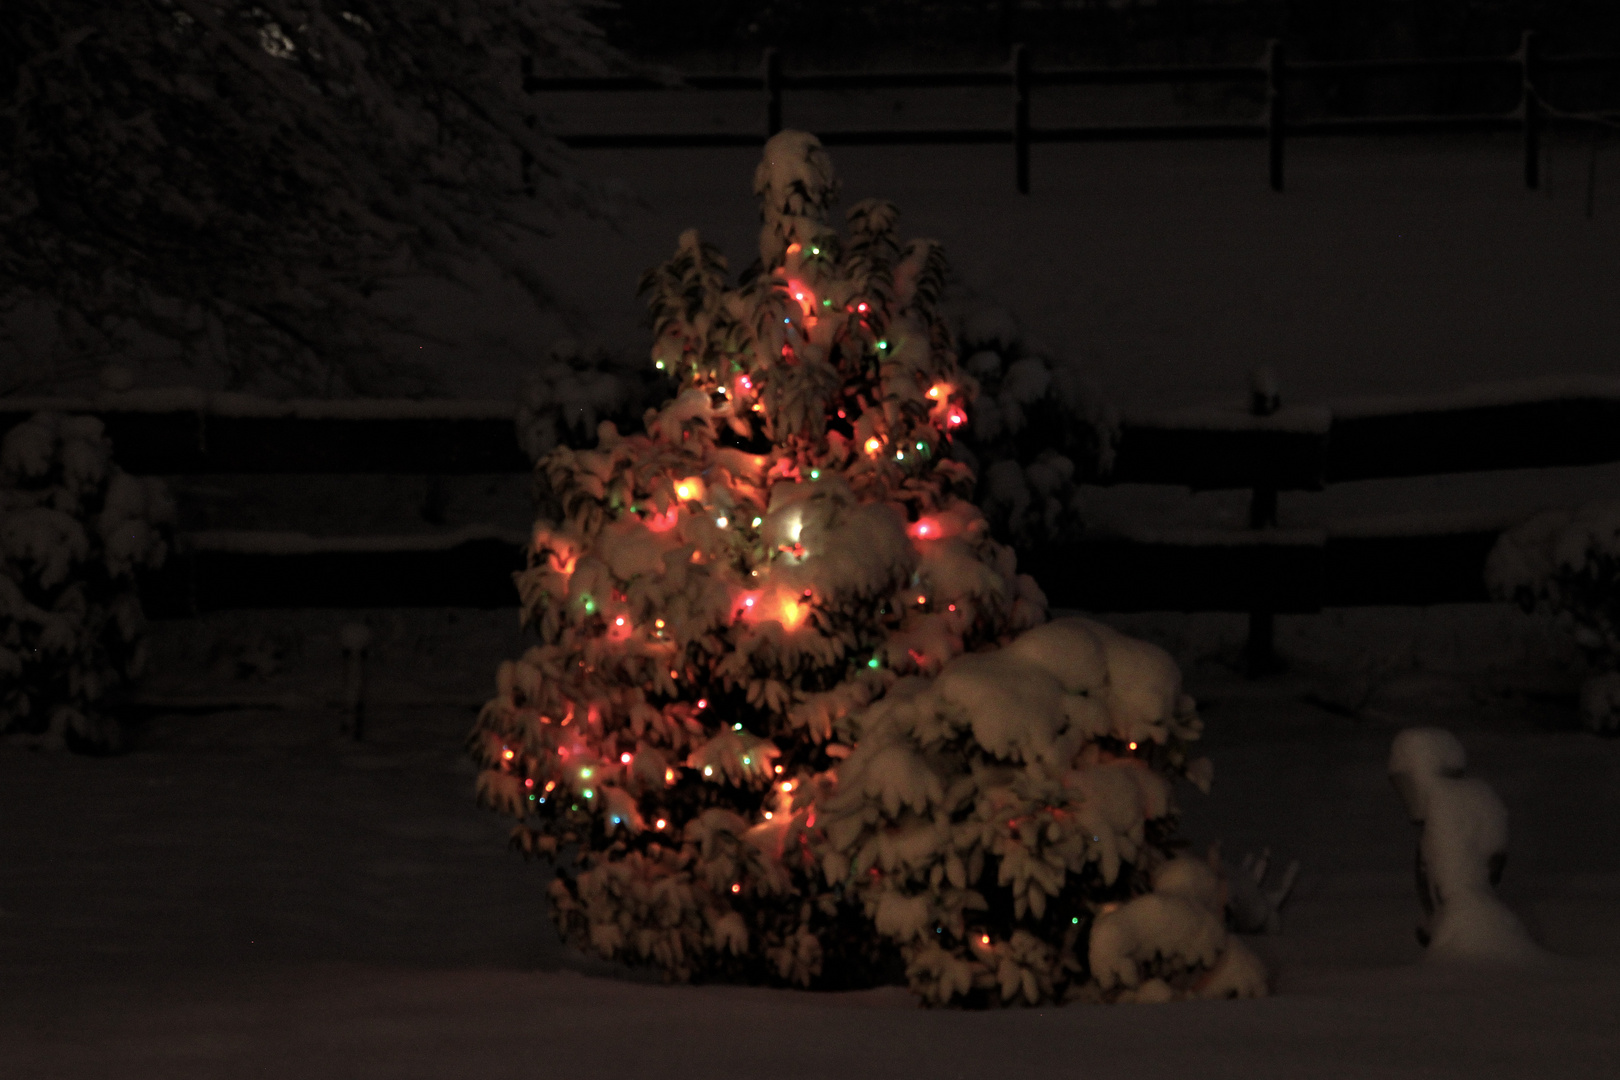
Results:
x,y
1287,571
1271,75
1525,426
1426,561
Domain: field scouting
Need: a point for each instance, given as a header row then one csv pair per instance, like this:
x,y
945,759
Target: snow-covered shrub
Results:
x,y
576,387
1039,429
74,530
1566,565
774,729
1003,820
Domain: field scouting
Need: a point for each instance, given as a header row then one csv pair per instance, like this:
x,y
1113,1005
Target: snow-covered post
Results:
x,y
1265,398
1461,853
356,639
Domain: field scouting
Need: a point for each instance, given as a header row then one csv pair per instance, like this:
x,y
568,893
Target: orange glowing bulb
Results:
x,y
508,754
779,768
787,785
619,621
767,815
793,248
660,823
984,939
703,703
922,599
736,887
669,778
937,391
1133,746
551,785
658,623
624,758
684,490
874,444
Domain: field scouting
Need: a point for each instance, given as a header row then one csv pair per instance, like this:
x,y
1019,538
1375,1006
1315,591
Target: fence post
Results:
x,y
1020,74
1276,98
771,64
1259,654
1532,110
355,637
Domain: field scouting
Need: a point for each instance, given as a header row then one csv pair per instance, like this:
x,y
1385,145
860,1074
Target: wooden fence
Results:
x,y
1272,75
1418,561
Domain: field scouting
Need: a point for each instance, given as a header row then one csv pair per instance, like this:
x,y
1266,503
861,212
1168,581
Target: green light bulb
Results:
x,y
872,663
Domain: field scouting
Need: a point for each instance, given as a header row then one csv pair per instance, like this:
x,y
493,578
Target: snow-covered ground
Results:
x,y
246,896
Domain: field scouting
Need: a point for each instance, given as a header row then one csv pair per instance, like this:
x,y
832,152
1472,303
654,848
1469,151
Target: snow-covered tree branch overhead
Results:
x,y
239,179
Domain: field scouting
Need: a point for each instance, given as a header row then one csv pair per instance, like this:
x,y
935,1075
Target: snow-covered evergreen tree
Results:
x,y
780,725
74,530
239,179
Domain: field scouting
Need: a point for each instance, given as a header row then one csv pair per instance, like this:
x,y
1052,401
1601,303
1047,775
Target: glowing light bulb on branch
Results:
x,y
873,445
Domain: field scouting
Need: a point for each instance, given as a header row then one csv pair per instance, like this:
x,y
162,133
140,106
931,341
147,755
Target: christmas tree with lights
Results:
x,y
783,723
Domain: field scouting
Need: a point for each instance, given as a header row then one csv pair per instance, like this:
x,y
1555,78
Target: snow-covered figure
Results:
x,y
1461,853
767,733
74,530
1566,564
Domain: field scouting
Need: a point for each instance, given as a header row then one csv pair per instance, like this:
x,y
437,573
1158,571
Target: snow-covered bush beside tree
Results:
x,y
1004,820
564,399
74,531
781,725
1566,564
1040,428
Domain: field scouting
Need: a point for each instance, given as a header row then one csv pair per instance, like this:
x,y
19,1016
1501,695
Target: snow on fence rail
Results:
x,y
1531,116
1419,560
